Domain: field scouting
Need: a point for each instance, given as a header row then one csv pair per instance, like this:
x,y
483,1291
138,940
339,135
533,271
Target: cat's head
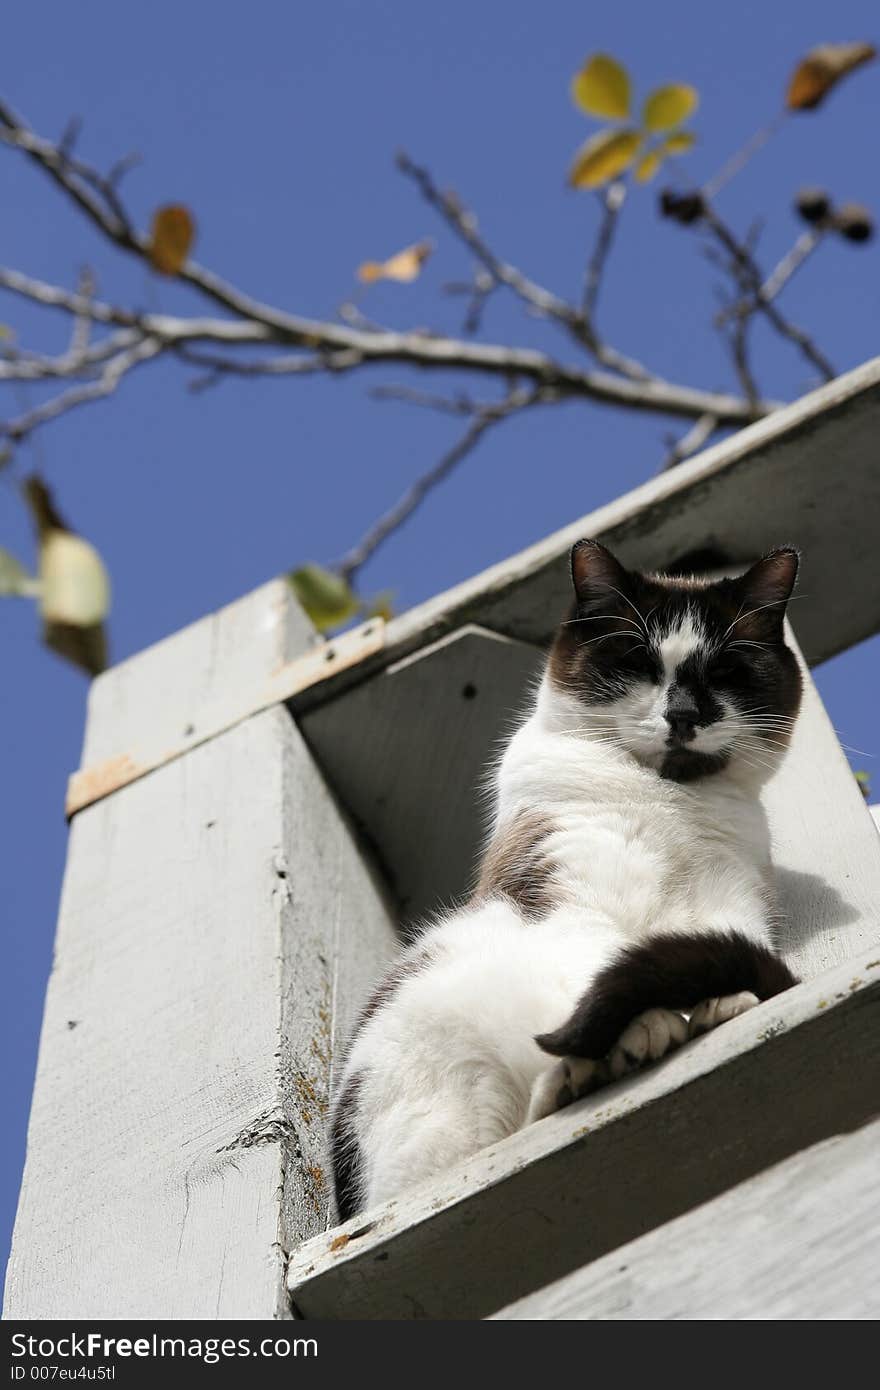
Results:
x,y
689,676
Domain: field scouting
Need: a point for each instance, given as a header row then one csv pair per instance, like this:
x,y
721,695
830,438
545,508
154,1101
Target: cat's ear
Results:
x,y
764,590
598,578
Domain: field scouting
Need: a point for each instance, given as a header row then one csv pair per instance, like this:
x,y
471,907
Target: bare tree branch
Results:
x,y
690,443
484,417
108,381
540,301
612,201
794,258
236,342
412,349
750,278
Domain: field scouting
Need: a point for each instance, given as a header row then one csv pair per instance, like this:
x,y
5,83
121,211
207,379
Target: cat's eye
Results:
x,y
726,666
643,662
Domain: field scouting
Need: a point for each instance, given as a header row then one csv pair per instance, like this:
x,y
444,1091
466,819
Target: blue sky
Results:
x,y
277,125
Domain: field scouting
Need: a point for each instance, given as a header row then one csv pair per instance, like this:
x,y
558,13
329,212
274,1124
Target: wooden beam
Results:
x,y
561,1193
806,475
797,1242
219,928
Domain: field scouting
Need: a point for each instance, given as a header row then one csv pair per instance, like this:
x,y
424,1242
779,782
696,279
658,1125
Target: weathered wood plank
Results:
x,y
219,926
795,1070
797,1242
158,696
807,475
408,753
826,852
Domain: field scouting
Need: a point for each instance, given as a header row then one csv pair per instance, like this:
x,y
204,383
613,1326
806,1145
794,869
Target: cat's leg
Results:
x,y
650,1036
711,1012
443,1063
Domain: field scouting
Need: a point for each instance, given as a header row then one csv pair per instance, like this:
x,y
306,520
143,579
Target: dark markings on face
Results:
x,y
731,652
516,867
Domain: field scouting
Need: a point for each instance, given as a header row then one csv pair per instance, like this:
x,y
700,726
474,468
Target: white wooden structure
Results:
x,y
249,838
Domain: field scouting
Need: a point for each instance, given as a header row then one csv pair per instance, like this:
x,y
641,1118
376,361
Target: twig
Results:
x,y
612,201
750,279
782,272
691,442
484,418
540,301
447,405
110,378
738,161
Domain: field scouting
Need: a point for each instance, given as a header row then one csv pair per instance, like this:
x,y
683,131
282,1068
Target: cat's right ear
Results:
x,y
596,575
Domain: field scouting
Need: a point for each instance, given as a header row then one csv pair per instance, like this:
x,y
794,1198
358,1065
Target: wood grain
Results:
x,y
218,929
797,1242
797,1069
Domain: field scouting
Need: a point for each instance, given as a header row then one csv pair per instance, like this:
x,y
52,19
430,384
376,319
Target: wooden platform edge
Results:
x,y
795,1070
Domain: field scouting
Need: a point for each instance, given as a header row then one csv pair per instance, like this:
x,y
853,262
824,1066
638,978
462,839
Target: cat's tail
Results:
x,y
673,971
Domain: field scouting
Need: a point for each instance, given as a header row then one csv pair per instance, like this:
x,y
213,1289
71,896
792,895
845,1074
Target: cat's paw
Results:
x,y
711,1012
648,1038
566,1081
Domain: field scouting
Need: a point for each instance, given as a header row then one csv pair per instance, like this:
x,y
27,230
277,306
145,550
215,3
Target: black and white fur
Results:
x,y
625,900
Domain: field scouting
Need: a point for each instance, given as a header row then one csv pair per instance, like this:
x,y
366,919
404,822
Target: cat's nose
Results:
x,y
682,716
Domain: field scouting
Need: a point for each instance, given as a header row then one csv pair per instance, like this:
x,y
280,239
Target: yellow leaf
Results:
x,y
171,237
680,143
602,88
74,586
648,166
822,69
326,597
404,267
669,106
605,155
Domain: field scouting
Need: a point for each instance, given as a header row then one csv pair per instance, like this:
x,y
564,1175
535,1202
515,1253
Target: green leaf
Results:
x,y
669,106
648,165
603,157
864,781
15,579
381,605
326,597
602,88
679,143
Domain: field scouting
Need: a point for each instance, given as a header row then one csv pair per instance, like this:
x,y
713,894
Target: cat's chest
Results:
x,y
664,850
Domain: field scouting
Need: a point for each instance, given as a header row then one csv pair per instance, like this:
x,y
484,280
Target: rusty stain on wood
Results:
x,y
91,784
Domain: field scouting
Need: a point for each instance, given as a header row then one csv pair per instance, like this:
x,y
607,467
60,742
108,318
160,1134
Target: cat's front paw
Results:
x,y
566,1081
711,1012
648,1038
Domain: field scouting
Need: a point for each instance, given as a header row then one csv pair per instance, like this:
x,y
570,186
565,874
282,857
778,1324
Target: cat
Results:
x,y
624,901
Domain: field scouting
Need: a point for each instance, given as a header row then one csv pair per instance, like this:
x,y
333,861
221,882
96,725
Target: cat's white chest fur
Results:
x,y
629,847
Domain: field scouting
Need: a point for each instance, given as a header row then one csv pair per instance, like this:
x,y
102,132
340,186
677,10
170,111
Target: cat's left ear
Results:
x,y
765,589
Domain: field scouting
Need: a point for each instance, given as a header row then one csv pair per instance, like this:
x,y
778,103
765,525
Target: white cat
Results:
x,y
626,881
